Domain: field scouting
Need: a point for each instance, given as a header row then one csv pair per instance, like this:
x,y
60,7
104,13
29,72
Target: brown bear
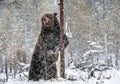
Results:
x,y
44,55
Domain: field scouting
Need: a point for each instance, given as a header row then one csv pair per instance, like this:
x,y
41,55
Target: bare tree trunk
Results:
x,y
6,68
62,73
1,69
10,67
24,57
117,51
106,54
14,67
1,66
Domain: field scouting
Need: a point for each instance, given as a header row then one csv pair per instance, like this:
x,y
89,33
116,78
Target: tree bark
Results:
x,y
62,64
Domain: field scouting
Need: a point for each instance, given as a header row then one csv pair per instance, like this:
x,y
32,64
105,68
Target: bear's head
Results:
x,y
49,21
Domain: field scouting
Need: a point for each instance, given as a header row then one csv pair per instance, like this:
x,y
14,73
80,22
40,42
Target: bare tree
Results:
x,y
61,38
6,67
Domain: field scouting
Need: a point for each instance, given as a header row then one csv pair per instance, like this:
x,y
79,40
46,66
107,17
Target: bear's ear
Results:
x,y
55,14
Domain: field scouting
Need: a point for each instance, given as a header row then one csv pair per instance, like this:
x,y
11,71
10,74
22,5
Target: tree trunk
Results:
x,y
10,67
117,51
6,68
106,54
62,64
14,67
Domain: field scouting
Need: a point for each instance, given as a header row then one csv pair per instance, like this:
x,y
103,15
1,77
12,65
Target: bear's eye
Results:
x,y
45,20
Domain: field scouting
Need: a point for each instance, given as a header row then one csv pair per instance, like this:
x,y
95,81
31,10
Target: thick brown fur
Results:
x,y
44,56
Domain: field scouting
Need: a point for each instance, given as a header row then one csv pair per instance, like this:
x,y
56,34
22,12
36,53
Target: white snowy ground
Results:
x,y
45,82
113,81
106,77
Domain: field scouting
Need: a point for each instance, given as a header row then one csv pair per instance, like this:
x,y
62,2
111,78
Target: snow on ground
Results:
x,y
76,76
111,81
45,82
91,81
106,77
2,76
